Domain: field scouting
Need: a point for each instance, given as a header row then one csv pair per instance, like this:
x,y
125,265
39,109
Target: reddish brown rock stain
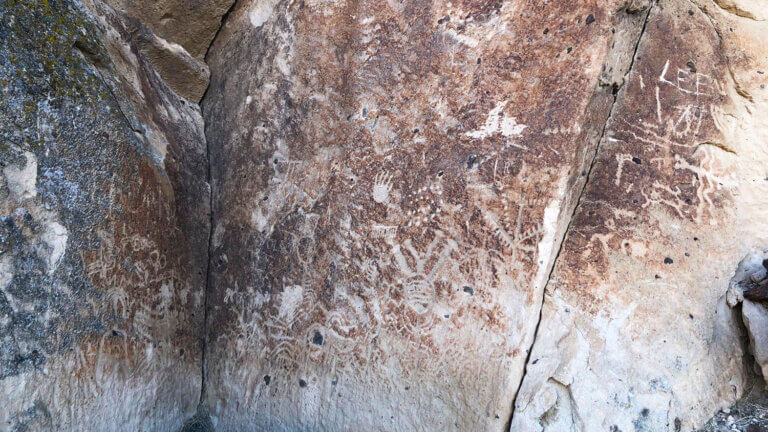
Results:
x,y
649,164
137,269
383,183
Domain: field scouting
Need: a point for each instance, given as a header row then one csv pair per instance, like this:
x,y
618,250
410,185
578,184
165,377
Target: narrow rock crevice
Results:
x,y
742,306
224,19
616,90
211,217
204,336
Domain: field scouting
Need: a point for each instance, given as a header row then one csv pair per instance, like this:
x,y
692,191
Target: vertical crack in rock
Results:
x,y
320,142
615,88
211,215
204,335
224,19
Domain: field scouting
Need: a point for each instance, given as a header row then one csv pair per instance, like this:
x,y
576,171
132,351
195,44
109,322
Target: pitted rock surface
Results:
x,y
422,215
391,183
635,331
102,246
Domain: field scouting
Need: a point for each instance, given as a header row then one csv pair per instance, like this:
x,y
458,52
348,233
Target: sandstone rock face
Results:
x,y
103,240
635,332
423,215
391,183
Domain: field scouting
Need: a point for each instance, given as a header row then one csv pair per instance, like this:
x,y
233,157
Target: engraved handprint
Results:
x,y
381,187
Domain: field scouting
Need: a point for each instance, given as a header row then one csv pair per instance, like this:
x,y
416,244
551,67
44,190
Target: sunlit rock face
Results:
x,y
422,215
391,184
635,331
103,233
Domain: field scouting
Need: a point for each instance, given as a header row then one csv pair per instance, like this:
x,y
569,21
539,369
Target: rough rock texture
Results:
x,y
185,75
635,332
749,414
745,294
756,321
477,215
201,422
391,182
192,24
103,229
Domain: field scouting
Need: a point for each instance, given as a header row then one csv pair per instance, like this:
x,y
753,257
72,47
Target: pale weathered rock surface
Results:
x,y
756,321
391,183
746,294
103,233
635,331
427,215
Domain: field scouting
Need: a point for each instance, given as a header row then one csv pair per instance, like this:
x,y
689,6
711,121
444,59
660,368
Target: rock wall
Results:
x,y
422,215
392,182
103,240
635,332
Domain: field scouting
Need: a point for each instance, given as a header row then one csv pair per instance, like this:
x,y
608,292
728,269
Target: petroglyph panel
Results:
x,y
635,331
391,183
103,230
